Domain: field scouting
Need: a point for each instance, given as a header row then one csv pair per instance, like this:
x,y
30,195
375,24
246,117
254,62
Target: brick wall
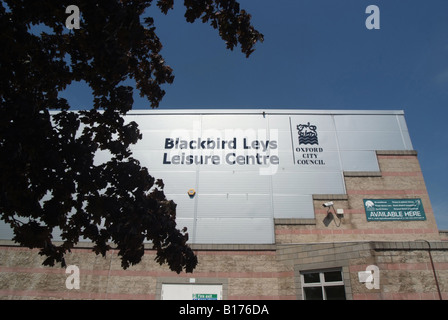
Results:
x,y
400,177
443,235
247,274
405,272
404,267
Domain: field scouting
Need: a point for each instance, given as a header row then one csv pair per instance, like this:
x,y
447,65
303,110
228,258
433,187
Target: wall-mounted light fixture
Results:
x,y
191,192
340,213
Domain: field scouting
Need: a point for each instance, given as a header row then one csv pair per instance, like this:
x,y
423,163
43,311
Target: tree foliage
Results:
x,y
49,179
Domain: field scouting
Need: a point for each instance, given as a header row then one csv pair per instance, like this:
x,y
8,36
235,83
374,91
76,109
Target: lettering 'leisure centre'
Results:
x,y
230,158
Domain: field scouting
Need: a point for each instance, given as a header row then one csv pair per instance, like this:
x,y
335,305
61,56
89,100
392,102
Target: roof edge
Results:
x,y
266,111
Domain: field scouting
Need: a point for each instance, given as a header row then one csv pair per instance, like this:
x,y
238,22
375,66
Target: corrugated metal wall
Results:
x,y
236,202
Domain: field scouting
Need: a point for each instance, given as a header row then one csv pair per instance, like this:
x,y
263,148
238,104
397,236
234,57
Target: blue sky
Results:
x,y
318,54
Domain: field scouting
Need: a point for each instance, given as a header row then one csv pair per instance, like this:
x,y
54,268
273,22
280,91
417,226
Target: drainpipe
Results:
x,y
433,268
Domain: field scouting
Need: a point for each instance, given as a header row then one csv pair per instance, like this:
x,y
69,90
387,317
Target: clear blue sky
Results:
x,y
318,54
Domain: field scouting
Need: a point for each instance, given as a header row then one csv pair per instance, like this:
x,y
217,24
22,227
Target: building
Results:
x,y
279,204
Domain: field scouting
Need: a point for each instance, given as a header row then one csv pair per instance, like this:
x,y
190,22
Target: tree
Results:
x,y
48,177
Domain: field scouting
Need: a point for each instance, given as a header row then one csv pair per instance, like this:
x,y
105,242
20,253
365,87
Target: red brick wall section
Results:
x,y
250,275
400,177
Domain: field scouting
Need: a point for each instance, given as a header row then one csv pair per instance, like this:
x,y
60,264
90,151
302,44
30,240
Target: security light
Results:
x,y
330,215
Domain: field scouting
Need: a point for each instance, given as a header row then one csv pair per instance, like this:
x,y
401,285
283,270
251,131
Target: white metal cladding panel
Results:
x,y
329,158
185,205
284,140
249,133
280,122
322,122
234,206
308,183
356,135
371,140
226,122
235,182
405,132
182,223
189,224
359,161
156,139
235,230
5,231
153,160
367,123
402,122
407,140
287,161
372,132
232,169
101,156
165,121
293,206
178,182
328,139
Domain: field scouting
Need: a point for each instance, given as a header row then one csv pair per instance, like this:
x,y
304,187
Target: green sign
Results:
x,y
394,209
201,296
